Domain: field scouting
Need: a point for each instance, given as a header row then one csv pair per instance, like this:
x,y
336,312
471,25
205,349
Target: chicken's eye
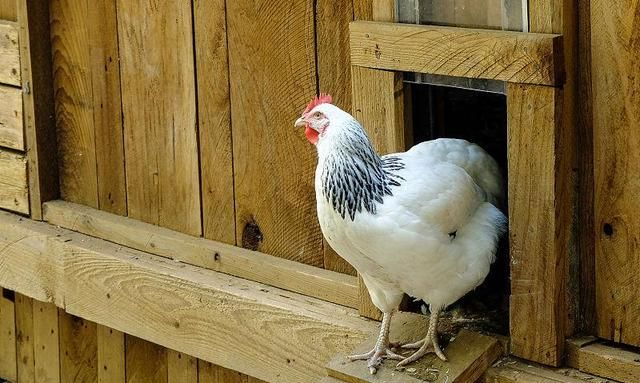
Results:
x,y
317,114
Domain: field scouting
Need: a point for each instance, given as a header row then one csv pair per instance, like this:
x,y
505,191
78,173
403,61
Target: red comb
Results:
x,y
323,99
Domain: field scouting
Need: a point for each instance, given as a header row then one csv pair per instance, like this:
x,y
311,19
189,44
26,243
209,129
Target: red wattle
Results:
x,y
312,135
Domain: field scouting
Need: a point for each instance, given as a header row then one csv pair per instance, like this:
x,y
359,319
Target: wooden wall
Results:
x,y
181,116
42,344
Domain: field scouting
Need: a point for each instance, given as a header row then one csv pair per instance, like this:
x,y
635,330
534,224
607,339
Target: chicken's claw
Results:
x,y
374,358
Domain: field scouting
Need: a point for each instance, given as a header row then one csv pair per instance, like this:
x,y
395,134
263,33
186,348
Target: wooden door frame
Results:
x,y
540,150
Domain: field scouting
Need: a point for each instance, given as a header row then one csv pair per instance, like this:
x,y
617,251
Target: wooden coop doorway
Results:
x,y
537,147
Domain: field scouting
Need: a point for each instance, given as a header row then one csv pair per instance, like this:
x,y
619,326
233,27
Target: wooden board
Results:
x,y
539,226
615,55
78,349
181,368
8,361
273,163
11,120
214,121
111,355
496,55
282,273
210,373
73,96
602,360
24,339
14,193
46,350
39,124
145,362
332,50
470,354
8,10
192,310
159,106
511,370
9,54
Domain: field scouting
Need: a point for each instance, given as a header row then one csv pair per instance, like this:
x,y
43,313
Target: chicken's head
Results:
x,y
315,120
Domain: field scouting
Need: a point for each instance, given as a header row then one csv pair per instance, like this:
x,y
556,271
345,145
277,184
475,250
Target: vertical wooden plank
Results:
x,y
273,163
106,106
539,214
615,55
138,354
214,120
362,10
111,355
73,95
78,349
24,338
585,242
159,106
332,50
8,10
210,373
46,352
8,362
181,368
38,104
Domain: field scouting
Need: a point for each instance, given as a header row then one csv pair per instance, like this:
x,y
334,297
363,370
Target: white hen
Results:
x,y
423,222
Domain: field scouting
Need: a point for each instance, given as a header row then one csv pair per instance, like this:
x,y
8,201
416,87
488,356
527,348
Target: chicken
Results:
x,y
423,222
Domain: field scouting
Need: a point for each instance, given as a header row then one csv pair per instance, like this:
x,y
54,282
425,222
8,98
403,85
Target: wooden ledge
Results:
x,y
511,370
517,57
289,275
470,354
590,355
266,332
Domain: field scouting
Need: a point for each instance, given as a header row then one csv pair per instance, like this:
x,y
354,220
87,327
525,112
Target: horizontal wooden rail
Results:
x,y
516,57
269,333
293,276
591,356
9,54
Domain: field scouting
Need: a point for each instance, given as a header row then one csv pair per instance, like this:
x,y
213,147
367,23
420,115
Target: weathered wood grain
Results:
x,y
111,355
24,339
78,348
159,106
8,10
496,55
14,193
8,361
210,373
539,226
606,361
181,368
11,119
214,121
334,78
46,349
9,54
273,162
73,101
192,310
615,55
38,102
106,104
282,273
470,354
146,362
511,370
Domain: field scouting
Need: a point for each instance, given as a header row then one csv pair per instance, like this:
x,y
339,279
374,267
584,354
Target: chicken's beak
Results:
x,y
300,122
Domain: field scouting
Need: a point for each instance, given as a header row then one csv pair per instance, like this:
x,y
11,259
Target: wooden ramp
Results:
x,y
470,355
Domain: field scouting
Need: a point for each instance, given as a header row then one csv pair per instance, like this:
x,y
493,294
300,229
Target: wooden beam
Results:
x,y
275,335
511,370
460,52
9,54
539,221
11,120
37,99
14,193
252,265
470,354
591,356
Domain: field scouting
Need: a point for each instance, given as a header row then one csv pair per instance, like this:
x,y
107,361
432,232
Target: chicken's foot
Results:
x,y
381,350
428,344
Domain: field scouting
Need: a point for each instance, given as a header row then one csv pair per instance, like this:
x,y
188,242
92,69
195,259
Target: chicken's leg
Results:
x,y
381,349
428,344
